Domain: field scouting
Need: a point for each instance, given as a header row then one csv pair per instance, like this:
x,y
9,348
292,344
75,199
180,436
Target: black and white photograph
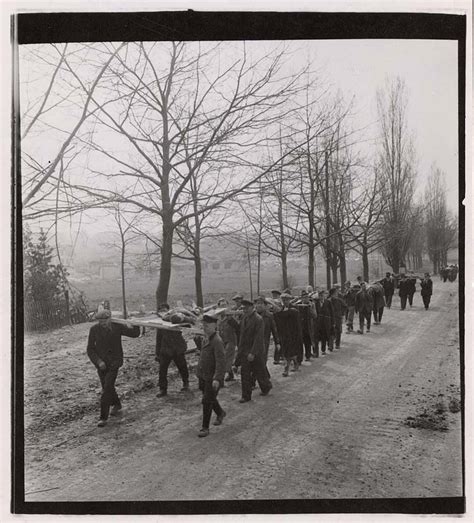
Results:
x,y
239,251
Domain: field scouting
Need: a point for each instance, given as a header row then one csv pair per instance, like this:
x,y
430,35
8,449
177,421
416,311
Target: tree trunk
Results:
x,y
284,269
122,269
198,281
395,263
334,270
328,246
250,273
165,266
197,260
342,265
365,263
311,265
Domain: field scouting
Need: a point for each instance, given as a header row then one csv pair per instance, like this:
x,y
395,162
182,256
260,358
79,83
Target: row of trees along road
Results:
x,y
187,141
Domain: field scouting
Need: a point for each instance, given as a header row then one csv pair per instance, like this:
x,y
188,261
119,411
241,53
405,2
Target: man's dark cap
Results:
x,y
247,302
207,318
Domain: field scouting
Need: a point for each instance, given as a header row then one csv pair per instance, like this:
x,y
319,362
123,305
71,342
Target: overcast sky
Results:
x,y
429,68
359,67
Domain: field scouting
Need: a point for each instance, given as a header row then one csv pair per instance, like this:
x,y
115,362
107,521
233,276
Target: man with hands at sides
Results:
x,y
211,371
251,352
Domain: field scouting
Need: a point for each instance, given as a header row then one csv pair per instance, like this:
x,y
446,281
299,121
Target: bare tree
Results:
x,y
39,115
397,170
440,226
127,233
366,234
177,109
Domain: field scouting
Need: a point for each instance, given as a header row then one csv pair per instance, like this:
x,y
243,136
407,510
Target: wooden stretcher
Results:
x,y
153,322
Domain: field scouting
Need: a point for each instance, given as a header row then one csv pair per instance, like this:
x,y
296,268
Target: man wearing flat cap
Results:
x,y
250,352
210,371
104,348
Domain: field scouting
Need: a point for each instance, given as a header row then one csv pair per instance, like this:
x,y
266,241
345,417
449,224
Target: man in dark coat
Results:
x,y
339,308
444,272
251,351
426,290
210,372
377,292
411,289
289,333
349,299
325,322
307,314
227,329
364,304
403,288
170,346
388,288
269,329
104,348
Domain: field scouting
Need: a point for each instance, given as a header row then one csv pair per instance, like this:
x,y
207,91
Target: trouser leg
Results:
x,y
209,402
380,314
350,318
165,361
403,302
246,379
410,299
258,368
276,354
180,362
361,321
307,344
368,315
109,394
338,331
376,314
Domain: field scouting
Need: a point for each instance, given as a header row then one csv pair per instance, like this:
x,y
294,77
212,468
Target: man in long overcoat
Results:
x,y
325,322
349,295
388,288
403,288
307,314
377,292
104,348
251,351
289,333
210,372
269,329
364,304
339,308
411,289
426,290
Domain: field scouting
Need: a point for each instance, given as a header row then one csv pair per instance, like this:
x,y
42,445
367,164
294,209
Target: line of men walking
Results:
x,y
303,327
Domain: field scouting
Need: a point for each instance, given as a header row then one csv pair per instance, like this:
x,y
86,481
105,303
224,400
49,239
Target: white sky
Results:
x,y
429,68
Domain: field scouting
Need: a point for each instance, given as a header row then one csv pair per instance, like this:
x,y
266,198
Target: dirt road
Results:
x,y
378,418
